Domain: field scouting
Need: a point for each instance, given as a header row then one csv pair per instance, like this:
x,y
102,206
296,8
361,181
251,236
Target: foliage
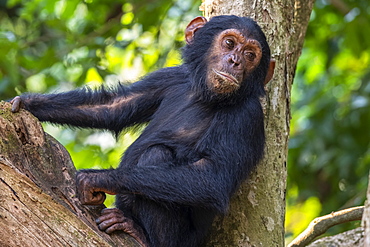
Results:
x,y
329,149
64,44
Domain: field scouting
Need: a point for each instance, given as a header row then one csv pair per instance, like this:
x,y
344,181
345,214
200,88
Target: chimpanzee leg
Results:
x,y
172,225
113,219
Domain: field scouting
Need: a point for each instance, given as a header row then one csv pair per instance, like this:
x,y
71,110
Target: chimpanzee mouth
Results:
x,y
227,77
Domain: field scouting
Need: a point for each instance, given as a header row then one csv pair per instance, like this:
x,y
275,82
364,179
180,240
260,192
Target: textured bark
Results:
x,y
366,218
257,212
38,203
352,238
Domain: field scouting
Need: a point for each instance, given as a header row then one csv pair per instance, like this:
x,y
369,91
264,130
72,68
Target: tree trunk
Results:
x,y
257,212
38,203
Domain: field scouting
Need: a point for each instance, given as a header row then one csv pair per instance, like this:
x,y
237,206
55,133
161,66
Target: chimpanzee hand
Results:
x,y
87,193
17,104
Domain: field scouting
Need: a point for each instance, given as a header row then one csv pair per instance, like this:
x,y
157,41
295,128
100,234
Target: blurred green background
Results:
x,y
54,46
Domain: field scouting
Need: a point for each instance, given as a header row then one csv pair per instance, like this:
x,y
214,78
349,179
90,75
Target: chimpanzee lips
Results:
x,y
226,77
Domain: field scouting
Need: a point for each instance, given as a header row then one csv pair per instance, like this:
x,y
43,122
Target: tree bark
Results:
x,y
38,203
352,238
366,218
257,212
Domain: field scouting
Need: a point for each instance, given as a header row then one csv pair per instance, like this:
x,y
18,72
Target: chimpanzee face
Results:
x,y
227,58
234,56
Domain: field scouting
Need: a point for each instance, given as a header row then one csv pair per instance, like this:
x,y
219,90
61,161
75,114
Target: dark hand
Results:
x,y
87,193
113,219
17,104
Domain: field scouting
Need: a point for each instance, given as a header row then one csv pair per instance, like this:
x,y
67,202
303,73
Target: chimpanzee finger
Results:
x,y
130,228
95,198
115,227
109,213
108,221
16,104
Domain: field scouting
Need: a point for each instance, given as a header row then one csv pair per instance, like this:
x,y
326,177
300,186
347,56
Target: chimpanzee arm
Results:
x,y
112,110
208,182
194,185
106,109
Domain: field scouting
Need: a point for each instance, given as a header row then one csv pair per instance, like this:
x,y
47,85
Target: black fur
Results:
x,y
196,149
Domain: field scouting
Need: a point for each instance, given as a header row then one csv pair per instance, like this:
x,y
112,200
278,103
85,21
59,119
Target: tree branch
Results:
x,y
321,224
38,205
341,6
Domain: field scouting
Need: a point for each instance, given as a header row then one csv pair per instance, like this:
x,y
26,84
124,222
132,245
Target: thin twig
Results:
x,y
321,224
341,6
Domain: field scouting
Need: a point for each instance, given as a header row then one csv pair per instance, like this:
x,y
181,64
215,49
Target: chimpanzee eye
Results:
x,y
230,43
250,56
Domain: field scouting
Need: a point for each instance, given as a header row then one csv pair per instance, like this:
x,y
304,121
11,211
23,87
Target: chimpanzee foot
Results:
x,y
113,219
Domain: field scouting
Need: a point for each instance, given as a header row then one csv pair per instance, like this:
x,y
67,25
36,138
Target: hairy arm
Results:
x,y
193,185
208,182
106,109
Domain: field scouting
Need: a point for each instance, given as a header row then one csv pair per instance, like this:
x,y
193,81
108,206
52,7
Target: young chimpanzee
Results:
x,y
205,133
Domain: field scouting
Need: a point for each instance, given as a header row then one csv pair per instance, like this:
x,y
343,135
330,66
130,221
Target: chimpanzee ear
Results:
x,y
270,71
192,27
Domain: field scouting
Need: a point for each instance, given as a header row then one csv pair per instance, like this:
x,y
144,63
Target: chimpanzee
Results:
x,y
205,133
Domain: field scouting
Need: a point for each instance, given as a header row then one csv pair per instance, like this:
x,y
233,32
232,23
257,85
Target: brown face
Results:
x,y
231,60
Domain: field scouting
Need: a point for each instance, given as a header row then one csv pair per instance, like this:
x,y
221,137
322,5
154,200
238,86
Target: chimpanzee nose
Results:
x,y
234,60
